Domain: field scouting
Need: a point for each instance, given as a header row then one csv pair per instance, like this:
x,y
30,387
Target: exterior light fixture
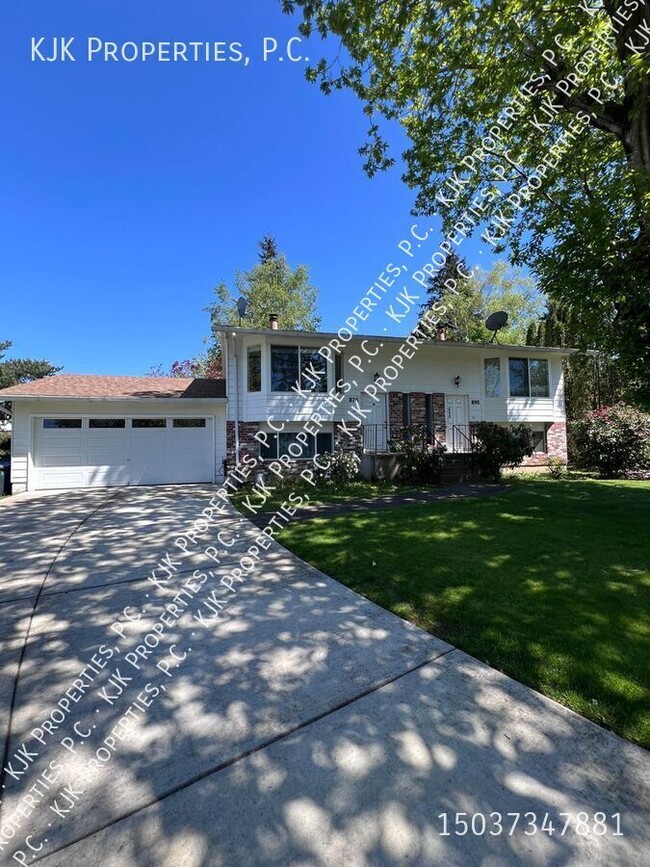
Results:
x,y
457,381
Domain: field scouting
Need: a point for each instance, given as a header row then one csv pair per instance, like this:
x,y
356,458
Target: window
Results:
x,y
291,365
287,443
539,440
254,368
538,369
54,423
518,377
106,422
148,422
313,371
284,367
189,422
528,377
492,377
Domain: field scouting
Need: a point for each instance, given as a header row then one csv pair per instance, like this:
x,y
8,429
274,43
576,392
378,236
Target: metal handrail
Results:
x,y
458,430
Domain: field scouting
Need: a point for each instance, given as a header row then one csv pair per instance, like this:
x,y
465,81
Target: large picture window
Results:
x,y
254,368
297,365
492,375
287,443
528,377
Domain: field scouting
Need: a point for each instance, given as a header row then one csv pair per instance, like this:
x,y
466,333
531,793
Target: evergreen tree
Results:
x,y
268,249
18,370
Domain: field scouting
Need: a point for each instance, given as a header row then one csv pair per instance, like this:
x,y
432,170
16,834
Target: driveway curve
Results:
x,y
177,688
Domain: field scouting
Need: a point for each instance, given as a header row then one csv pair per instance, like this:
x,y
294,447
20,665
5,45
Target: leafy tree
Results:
x,y
203,366
17,370
543,112
470,300
271,286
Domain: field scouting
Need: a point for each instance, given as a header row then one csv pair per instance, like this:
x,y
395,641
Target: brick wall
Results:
x,y
439,418
247,442
556,446
418,404
556,439
418,410
395,414
348,439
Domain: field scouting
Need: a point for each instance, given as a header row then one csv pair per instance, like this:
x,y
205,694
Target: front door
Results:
x,y
457,422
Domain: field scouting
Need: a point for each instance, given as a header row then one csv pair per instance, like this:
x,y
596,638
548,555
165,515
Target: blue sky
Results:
x,y
131,189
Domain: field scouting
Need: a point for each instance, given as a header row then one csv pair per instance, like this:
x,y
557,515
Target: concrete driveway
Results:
x,y
285,721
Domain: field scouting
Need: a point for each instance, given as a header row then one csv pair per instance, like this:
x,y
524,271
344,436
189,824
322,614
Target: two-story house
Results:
x,y
365,390
284,393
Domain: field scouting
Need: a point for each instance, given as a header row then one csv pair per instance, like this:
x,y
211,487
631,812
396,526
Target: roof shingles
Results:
x,y
73,385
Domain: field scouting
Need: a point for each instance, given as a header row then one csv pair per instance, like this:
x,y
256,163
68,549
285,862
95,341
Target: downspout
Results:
x,y
235,358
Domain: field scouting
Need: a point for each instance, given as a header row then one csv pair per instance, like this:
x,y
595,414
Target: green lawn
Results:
x,y
340,493
548,583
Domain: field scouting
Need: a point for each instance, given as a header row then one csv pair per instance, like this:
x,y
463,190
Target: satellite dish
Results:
x,y
495,322
242,306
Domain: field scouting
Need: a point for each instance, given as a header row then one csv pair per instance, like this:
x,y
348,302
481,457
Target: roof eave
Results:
x,y
328,335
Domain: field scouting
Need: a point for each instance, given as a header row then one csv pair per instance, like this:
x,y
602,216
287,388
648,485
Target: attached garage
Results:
x,y
141,431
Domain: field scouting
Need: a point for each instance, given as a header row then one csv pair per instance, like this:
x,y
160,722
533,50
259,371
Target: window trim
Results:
x,y
529,396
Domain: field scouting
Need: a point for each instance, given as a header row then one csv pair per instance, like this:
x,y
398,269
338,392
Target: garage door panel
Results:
x,y
107,451
47,480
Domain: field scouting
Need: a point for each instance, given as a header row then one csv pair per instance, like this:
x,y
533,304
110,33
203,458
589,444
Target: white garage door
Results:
x,y
96,452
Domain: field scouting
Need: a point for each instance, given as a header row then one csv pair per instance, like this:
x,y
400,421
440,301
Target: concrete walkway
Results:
x,y
301,724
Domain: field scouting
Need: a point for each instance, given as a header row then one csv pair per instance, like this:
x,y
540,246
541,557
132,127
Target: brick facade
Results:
x,y
395,415
348,439
247,442
418,412
439,420
352,440
418,405
555,444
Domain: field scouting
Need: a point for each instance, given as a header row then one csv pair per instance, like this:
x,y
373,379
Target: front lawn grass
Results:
x,y
548,583
339,493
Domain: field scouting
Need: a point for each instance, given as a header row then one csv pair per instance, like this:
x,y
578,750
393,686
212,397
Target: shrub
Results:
x,y
556,468
340,468
499,446
419,462
614,440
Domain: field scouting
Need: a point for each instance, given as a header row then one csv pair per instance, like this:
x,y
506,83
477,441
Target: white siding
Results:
x,y
432,369
20,446
25,410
